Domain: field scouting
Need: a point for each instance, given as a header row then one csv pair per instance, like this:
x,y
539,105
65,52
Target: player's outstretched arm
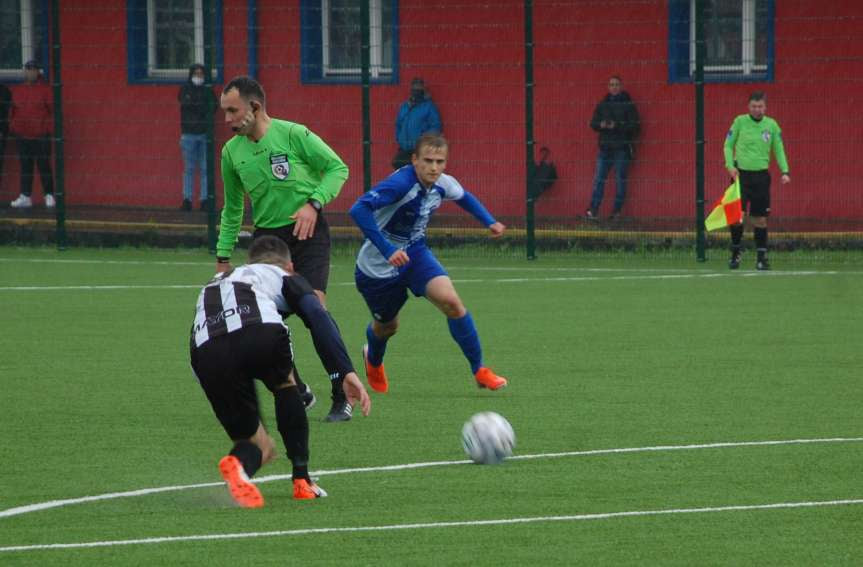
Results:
x,y
328,342
473,206
497,229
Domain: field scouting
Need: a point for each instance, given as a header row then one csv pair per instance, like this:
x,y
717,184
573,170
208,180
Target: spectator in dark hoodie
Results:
x,y
616,120
32,123
417,116
197,104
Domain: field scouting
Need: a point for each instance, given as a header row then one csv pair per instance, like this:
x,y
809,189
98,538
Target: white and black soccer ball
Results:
x,y
488,438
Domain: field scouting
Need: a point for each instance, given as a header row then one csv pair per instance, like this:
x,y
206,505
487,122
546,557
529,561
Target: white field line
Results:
x,y
453,265
436,525
29,508
455,280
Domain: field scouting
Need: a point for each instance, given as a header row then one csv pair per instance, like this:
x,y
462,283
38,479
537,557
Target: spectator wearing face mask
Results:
x,y
197,103
417,116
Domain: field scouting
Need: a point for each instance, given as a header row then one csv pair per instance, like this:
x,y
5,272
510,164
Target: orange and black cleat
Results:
x,y
241,488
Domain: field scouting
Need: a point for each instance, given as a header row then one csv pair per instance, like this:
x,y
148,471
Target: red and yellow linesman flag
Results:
x,y
728,210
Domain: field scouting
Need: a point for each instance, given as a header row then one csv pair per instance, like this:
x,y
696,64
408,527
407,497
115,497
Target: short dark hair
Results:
x,y
758,95
269,249
431,139
249,89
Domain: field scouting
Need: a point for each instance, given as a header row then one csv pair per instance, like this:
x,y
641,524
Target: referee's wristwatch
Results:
x,y
316,205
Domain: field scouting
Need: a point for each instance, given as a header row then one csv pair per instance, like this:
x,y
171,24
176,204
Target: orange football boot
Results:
x,y
241,488
305,490
485,378
375,375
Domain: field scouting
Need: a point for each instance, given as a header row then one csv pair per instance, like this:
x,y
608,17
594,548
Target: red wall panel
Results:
x,y
122,140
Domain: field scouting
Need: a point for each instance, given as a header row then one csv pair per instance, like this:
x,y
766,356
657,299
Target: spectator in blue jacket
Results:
x,y
417,116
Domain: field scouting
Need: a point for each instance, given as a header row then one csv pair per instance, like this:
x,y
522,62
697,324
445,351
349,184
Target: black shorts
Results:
x,y
755,192
311,257
227,366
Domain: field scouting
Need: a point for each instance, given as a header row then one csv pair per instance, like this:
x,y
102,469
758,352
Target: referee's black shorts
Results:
x,y
311,257
227,366
755,192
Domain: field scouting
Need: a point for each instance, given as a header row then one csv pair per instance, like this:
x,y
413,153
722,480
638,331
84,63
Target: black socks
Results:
x,y
249,455
294,428
761,242
760,235
338,391
736,236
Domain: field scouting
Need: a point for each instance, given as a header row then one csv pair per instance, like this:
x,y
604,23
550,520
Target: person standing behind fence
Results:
x,y
196,105
5,104
289,174
417,116
32,123
616,120
748,145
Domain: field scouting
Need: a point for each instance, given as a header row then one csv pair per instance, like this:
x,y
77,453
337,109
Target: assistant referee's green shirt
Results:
x,y
750,141
280,172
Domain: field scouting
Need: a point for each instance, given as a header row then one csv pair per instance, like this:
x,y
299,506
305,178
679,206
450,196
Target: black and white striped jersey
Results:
x,y
244,296
253,294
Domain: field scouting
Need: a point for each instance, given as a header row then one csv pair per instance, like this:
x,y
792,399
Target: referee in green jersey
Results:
x,y
748,146
289,174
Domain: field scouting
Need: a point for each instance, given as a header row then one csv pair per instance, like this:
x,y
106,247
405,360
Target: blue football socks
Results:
x,y
464,333
377,347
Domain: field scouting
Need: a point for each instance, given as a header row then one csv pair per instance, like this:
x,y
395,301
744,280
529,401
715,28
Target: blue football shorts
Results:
x,y
386,296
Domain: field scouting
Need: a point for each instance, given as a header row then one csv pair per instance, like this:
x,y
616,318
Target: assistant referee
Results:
x,y
289,174
748,146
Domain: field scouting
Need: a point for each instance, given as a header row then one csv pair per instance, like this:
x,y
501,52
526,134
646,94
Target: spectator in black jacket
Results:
x,y
616,120
197,104
5,104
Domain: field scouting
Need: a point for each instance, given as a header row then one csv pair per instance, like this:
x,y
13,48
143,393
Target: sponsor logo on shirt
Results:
x,y
765,135
280,166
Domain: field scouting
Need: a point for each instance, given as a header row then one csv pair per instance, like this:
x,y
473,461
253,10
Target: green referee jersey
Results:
x,y
749,143
280,172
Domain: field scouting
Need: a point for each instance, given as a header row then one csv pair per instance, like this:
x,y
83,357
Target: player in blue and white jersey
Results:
x,y
394,257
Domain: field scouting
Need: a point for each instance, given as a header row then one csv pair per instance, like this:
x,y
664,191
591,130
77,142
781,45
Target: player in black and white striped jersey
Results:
x,y
238,335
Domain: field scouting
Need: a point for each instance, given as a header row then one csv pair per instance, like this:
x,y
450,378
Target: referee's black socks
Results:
x,y
338,391
294,428
736,236
761,242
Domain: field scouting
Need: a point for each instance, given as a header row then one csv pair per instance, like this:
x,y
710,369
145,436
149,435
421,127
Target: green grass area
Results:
x,y
602,352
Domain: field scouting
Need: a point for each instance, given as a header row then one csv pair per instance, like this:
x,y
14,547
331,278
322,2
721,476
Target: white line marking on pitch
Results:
x,y
26,509
455,280
437,525
454,265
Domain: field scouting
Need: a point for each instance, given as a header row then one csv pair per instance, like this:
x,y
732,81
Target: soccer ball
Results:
x,y
487,438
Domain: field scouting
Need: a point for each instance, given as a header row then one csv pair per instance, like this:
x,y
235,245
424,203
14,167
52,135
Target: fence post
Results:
x,y
528,126
364,66
700,48
209,44
59,165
